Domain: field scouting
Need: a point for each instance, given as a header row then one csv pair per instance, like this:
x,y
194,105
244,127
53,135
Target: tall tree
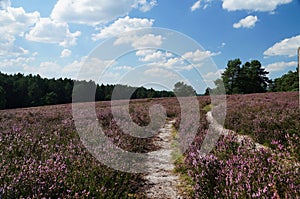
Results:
x,y
2,98
250,78
32,90
253,78
183,90
230,76
287,82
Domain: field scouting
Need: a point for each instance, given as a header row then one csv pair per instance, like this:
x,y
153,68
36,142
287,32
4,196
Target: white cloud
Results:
x,y
159,72
45,69
172,63
139,41
247,22
94,12
49,31
144,5
154,56
176,63
14,22
280,66
200,4
286,47
19,61
199,55
144,52
123,68
210,77
8,48
147,40
253,5
65,53
93,68
196,5
158,58
4,4
123,25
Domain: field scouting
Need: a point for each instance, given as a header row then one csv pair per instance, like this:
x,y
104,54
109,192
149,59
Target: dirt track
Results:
x,y
161,181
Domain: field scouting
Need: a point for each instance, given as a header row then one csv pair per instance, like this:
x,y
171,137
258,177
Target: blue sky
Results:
x,y
57,38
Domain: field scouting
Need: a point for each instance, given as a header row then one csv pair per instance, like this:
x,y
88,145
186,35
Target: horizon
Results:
x,y
54,42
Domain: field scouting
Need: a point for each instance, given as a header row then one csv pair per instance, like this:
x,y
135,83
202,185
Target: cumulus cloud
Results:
x,y
154,56
65,53
159,72
93,68
94,12
247,22
72,70
47,69
19,61
144,5
123,25
199,55
139,41
280,66
4,4
253,5
200,4
14,22
287,47
210,77
49,31
189,60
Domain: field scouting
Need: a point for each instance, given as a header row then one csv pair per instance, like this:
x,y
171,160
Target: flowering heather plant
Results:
x,y
41,155
266,117
236,169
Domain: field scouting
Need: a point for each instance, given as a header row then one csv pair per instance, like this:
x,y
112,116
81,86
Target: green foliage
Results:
x,y
248,78
24,91
183,90
231,76
50,98
2,98
287,82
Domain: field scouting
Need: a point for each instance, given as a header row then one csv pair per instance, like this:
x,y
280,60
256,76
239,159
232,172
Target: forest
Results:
x,y
18,90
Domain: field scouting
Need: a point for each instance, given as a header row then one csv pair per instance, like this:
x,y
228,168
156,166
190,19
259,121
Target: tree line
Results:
x,y
18,91
251,77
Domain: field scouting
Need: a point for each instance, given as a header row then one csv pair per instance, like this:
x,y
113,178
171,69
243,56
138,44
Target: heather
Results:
x,y
43,156
237,168
266,117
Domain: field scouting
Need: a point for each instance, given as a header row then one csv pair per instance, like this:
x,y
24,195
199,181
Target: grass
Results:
x,y
180,168
208,107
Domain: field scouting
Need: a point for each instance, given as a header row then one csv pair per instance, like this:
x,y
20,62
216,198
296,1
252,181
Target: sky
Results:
x,y
151,43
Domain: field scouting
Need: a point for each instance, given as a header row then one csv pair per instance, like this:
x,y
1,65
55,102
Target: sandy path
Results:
x,y
245,138
161,181
222,131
